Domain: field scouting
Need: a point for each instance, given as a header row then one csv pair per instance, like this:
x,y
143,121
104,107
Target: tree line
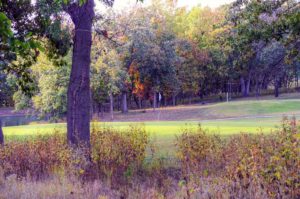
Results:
x,y
68,60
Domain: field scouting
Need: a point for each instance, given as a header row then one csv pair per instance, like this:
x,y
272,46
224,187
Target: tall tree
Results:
x,y
78,98
17,52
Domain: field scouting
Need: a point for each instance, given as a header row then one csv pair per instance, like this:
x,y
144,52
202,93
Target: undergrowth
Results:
x,y
206,166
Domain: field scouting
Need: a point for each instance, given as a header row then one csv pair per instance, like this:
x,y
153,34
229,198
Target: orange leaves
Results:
x,y
139,88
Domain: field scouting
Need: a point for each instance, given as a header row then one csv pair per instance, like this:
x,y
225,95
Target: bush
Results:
x,y
36,158
115,154
197,150
198,153
245,166
119,155
269,162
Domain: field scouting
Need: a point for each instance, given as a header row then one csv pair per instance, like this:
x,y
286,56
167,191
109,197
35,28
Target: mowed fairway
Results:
x,y
225,119
163,134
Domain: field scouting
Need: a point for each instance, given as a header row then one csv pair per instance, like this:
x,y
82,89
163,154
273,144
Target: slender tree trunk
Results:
x,y
102,110
78,108
1,134
174,99
165,101
140,103
257,88
297,78
243,86
248,87
136,100
124,102
118,103
154,100
190,99
111,109
276,91
99,110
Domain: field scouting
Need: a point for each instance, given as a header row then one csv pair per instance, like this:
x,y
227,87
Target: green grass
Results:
x,y
224,127
163,133
253,107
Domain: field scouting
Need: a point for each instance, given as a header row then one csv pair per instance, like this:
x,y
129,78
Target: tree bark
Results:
x,y
1,134
124,103
78,108
111,109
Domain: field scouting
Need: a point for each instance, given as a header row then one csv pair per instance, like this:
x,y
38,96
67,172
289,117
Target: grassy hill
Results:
x,y
249,116
287,104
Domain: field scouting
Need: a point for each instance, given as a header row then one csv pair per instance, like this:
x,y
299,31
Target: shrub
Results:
x,y
119,154
270,162
115,155
197,150
37,158
245,166
198,153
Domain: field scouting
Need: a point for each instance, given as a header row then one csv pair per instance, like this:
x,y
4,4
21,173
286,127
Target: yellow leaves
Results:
x,y
277,175
81,171
297,136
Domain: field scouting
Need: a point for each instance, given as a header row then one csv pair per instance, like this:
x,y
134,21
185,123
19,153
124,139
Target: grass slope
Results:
x,y
162,134
287,105
249,116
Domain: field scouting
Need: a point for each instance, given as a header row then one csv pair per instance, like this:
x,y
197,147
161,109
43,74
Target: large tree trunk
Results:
x,y
124,102
111,109
1,134
78,108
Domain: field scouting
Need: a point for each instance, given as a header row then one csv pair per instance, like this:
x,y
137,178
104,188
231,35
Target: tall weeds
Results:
x,y
206,166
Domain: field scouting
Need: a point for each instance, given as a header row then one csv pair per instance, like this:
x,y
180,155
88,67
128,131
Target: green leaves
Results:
x,y
81,2
5,27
